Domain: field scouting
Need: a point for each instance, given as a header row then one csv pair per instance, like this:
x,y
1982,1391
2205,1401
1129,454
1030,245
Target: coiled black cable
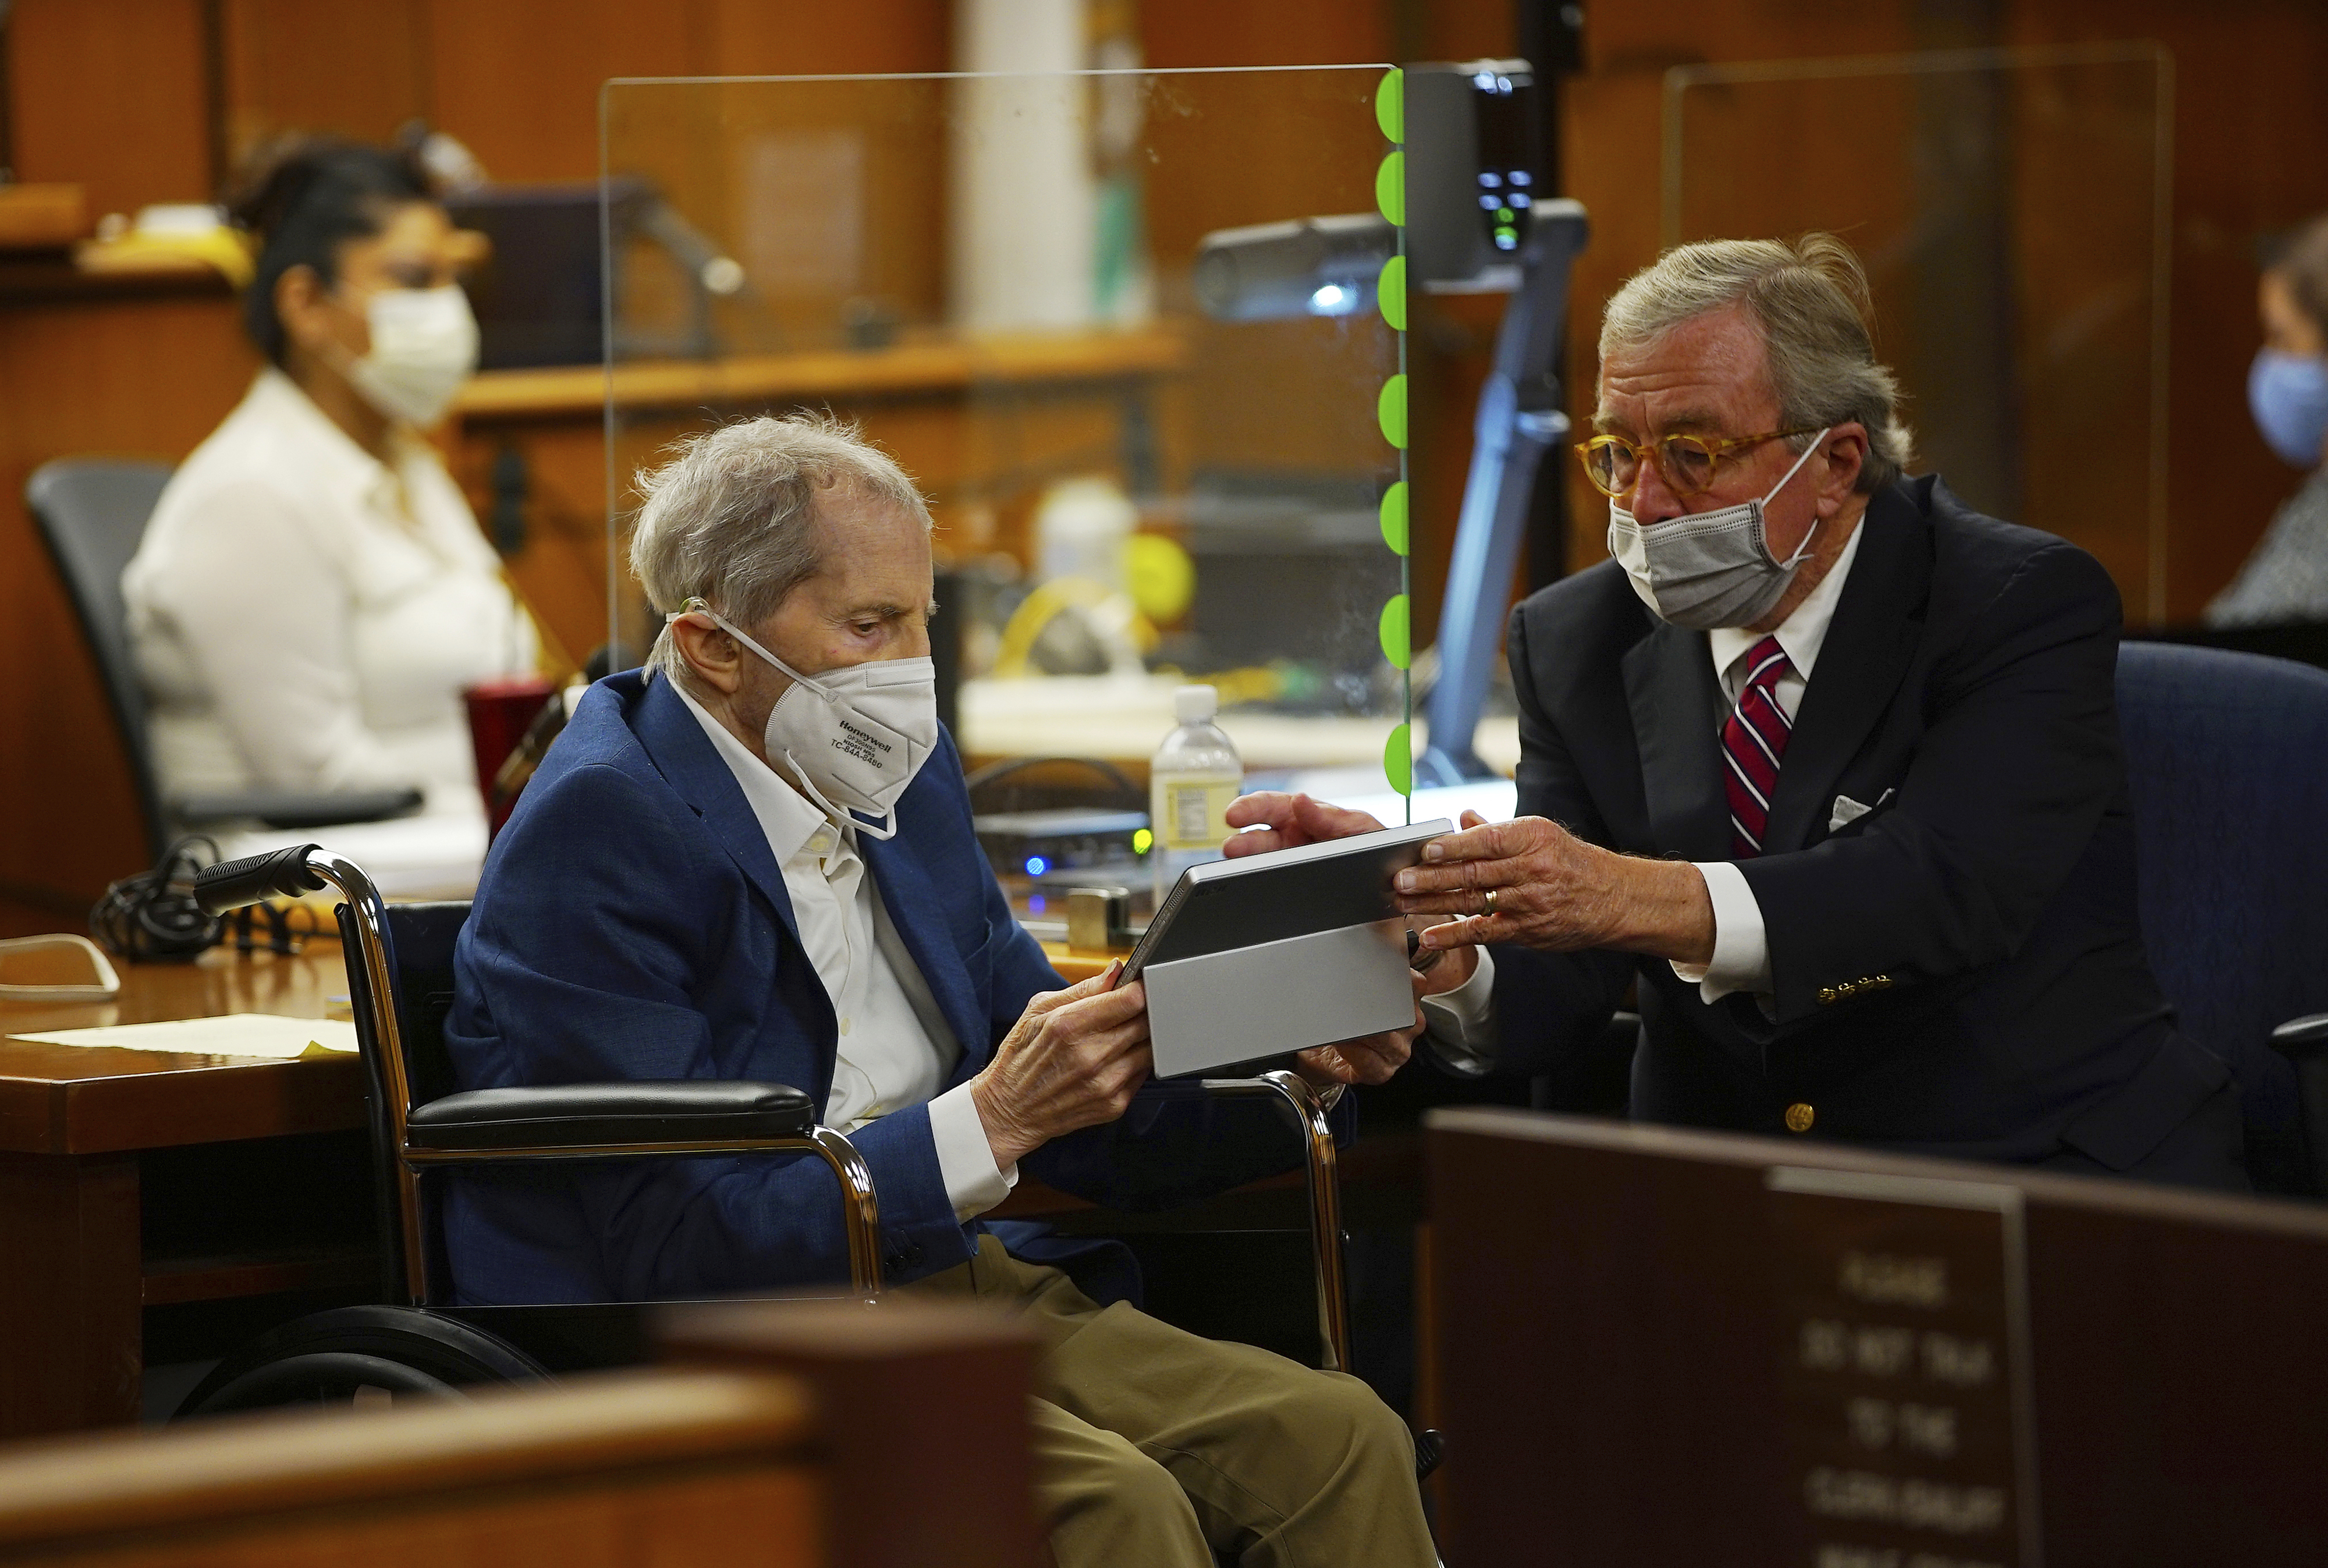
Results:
x,y
152,917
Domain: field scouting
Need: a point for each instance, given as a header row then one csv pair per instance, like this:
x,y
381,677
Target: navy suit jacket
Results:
x,y
632,922
1958,971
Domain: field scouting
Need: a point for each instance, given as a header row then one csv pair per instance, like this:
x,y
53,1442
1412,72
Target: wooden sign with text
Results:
x,y
1666,1348
1902,1308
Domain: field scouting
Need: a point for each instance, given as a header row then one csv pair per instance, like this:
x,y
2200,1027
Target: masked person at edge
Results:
x,y
313,592
752,859
2286,578
1825,763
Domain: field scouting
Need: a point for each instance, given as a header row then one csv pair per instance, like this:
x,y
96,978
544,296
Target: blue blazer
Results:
x,y
632,924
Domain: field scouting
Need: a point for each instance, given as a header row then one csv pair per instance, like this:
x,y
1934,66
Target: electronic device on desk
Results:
x,y
1060,841
1058,822
1279,952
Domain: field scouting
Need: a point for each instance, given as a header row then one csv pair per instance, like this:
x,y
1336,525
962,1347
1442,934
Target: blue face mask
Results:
x,y
2288,395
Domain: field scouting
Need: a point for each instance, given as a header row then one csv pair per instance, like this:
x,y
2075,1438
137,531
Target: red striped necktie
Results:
x,y
1752,743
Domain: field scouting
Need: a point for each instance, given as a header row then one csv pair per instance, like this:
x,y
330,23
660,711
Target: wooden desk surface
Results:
x,y
940,365
75,1100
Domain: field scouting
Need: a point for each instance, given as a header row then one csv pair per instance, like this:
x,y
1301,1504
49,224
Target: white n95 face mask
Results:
x,y
424,345
854,737
1709,569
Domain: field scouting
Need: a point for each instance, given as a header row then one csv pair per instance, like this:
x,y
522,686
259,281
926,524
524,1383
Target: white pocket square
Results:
x,y
1847,810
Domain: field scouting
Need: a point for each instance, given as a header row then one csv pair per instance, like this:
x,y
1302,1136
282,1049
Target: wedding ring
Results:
x,y
1488,902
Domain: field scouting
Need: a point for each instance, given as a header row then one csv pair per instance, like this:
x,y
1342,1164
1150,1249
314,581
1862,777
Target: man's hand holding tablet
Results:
x,y
1269,820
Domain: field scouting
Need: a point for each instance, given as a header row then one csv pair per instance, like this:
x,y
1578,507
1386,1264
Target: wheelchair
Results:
x,y
415,1345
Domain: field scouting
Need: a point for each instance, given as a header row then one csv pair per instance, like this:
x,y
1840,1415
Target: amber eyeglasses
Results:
x,y
1688,464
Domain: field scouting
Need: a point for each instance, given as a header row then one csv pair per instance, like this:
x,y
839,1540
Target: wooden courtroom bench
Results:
x,y
800,1434
1662,1347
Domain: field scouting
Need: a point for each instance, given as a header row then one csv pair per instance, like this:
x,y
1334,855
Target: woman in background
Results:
x,y
2286,578
313,592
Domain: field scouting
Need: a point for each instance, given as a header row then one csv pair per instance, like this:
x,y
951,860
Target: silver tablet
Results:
x,y
1279,952
1281,893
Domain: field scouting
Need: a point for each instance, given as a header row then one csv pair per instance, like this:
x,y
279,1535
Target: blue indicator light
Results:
x,y
1521,177
1037,865
1491,202
1519,198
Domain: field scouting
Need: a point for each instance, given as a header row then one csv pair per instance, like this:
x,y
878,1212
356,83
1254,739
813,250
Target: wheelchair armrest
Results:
x,y
296,809
2301,1040
595,1115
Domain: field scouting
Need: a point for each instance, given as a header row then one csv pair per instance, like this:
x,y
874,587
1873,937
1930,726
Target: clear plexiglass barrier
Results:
x,y
1137,336
2010,208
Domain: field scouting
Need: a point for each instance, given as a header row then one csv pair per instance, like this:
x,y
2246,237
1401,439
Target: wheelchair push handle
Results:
x,y
232,884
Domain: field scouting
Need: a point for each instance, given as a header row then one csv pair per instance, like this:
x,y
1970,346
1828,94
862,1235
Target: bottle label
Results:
x,y
1196,814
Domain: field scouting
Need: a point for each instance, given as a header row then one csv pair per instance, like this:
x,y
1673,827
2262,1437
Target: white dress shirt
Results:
x,y
1462,1021
304,616
895,1048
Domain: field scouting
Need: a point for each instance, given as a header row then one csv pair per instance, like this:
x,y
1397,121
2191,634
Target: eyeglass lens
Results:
x,y
1685,461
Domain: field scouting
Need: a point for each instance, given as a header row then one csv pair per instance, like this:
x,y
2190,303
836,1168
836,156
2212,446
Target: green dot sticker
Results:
x,y
1390,293
1395,641
1398,766
1390,188
1393,517
1390,105
1390,409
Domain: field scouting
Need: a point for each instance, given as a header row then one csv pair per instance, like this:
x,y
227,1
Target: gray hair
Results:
x,y
731,518
1809,296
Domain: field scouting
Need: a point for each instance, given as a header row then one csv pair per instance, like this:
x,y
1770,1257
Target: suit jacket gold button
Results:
x,y
1800,1117
1826,996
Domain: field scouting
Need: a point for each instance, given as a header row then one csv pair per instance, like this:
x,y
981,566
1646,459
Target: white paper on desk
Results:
x,y
235,1034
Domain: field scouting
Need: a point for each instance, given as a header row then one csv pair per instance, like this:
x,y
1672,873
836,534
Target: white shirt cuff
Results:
x,y
965,1159
1462,1022
1741,949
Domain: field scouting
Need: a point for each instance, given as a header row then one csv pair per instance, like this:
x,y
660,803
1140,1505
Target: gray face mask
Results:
x,y
1709,569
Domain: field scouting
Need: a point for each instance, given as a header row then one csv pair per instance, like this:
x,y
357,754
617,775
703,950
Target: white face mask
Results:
x,y
1709,569
424,345
854,737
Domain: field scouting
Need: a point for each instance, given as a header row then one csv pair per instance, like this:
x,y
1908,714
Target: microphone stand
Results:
x,y
1519,418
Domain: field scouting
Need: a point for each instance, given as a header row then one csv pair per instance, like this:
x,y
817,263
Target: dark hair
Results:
x,y
303,198
2301,256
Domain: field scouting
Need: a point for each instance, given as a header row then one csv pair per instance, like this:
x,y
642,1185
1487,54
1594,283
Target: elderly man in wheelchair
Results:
x,y
752,859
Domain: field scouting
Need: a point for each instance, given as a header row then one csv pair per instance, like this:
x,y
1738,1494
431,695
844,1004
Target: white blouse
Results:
x,y
305,618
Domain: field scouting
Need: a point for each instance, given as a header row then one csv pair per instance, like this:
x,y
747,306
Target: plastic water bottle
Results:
x,y
1191,780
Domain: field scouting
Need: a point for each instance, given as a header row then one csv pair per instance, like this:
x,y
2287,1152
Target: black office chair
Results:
x,y
91,514
400,961
2226,761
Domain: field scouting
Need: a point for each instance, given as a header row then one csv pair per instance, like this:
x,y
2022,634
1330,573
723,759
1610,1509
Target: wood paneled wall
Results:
x,y
145,100
2250,126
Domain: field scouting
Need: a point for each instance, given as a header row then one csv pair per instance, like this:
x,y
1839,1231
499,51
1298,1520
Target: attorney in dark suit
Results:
x,y
754,861
1825,764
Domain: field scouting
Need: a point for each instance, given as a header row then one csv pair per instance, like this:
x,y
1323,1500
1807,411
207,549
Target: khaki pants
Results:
x,y
1155,1447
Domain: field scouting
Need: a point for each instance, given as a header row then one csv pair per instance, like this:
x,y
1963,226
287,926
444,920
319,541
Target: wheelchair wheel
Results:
x,y
356,1354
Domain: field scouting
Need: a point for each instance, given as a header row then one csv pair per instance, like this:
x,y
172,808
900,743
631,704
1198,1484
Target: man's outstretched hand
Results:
x,y
1282,822
1272,820
1369,1058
